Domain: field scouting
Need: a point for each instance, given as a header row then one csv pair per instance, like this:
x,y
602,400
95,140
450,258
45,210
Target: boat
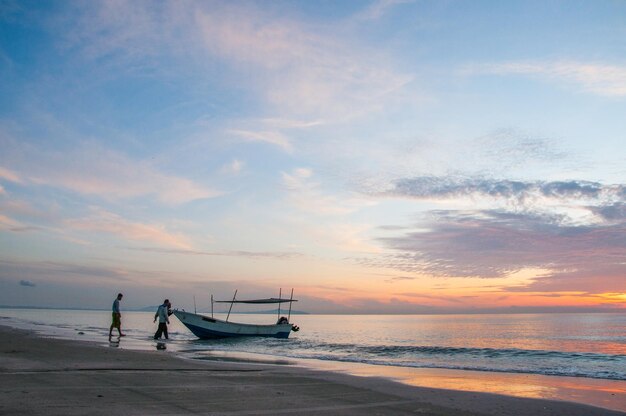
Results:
x,y
205,327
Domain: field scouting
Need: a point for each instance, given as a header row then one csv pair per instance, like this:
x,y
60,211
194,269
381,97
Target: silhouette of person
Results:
x,y
162,314
117,316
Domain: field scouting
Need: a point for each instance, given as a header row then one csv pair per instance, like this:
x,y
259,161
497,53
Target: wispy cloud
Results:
x,y
60,271
233,168
280,255
305,193
8,223
333,228
595,78
103,221
9,175
272,137
379,8
305,70
274,131
286,123
128,40
92,169
302,68
520,192
302,73
399,279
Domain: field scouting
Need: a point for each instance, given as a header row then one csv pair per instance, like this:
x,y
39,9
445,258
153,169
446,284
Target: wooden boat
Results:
x,y
206,327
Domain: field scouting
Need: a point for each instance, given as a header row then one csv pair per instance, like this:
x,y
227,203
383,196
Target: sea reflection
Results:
x,y
603,393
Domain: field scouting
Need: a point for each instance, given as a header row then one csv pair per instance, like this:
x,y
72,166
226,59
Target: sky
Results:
x,y
385,156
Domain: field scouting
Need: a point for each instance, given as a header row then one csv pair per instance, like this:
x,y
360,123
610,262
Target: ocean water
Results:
x,y
579,345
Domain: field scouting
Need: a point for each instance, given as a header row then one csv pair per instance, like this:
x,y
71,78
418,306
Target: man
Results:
x,y
163,315
117,316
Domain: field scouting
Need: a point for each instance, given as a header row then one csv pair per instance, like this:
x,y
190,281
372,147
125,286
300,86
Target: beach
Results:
x,y
45,376
349,207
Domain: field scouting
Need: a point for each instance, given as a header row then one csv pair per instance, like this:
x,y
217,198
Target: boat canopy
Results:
x,y
269,300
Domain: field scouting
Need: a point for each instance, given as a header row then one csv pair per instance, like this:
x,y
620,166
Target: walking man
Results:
x,y
163,315
116,316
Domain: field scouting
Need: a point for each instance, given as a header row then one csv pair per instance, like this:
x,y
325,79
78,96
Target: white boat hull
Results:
x,y
205,327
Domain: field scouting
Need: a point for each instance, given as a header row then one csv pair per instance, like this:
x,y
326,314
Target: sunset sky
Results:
x,y
377,156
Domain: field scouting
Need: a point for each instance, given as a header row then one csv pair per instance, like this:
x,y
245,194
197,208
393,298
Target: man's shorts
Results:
x,y
116,320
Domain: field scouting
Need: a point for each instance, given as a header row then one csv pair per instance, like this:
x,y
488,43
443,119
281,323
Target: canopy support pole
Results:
x,y
231,305
211,305
290,303
280,293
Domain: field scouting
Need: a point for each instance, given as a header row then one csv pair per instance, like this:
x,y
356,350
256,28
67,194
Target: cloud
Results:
x,y
103,221
514,148
8,223
399,278
298,73
306,194
286,123
591,279
490,244
305,70
117,33
27,283
379,8
280,255
435,187
9,175
445,299
595,78
613,212
59,271
233,168
299,67
574,231
272,137
91,169
273,131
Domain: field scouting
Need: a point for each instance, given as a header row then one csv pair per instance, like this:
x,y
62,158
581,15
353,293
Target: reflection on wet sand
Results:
x,y
604,393
610,394
114,342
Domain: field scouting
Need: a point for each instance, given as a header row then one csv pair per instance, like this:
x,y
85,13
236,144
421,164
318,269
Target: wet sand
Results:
x,y
43,376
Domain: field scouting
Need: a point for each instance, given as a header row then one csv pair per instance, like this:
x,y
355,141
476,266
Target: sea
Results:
x,y
578,345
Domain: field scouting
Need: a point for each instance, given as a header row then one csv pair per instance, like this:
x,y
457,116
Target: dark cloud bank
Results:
x,y
496,242
425,187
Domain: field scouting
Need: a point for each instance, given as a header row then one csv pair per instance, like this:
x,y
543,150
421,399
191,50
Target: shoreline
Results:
x,y
603,393
51,376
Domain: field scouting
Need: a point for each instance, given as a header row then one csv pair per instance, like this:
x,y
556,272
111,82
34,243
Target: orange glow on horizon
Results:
x,y
460,294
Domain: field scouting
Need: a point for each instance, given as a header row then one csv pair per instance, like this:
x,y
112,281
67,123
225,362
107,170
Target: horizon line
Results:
x,y
512,310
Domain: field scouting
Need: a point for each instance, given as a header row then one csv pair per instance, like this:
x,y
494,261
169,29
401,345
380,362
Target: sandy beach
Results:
x,y
43,376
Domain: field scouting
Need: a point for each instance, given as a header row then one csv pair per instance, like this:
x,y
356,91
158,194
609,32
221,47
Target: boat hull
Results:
x,y
205,327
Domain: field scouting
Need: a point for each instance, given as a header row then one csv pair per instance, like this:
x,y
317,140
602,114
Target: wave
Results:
x,y
396,350
564,372
509,360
